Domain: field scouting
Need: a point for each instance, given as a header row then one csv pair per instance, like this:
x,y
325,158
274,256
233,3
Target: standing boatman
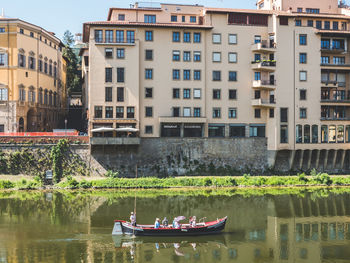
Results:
x,y
133,218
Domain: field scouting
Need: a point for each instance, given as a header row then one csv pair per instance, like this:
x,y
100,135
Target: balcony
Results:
x,y
264,103
332,84
115,141
265,65
335,119
328,49
336,66
264,84
115,41
263,47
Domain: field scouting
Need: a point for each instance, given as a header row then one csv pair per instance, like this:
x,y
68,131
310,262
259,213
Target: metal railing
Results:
x,y
265,63
115,40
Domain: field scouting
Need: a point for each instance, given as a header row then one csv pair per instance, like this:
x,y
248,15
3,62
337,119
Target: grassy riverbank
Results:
x,y
315,179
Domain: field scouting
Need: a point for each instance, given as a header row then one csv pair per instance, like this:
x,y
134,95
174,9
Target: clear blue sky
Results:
x,y
58,16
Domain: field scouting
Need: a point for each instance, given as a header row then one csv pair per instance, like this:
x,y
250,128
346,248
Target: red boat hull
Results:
x,y
207,228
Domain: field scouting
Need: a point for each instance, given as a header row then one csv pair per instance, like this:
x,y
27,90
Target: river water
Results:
x,y
263,226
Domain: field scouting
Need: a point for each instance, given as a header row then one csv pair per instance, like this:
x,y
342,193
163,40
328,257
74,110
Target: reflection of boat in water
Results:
x,y
128,241
214,227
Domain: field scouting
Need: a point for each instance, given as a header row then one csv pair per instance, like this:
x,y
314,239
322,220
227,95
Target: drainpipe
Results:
x,y
8,76
294,89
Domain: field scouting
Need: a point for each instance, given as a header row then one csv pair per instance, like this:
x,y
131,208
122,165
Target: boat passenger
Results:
x,y
193,222
157,223
177,224
174,223
165,222
133,218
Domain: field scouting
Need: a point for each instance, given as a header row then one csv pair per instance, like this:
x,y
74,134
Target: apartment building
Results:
x,y
32,77
281,72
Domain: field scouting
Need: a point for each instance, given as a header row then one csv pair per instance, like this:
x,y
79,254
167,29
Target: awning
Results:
x,y
127,129
103,129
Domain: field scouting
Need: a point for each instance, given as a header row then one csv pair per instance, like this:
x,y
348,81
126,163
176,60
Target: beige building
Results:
x,y
32,77
280,72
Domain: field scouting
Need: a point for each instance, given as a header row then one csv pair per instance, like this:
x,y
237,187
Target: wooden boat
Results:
x,y
206,228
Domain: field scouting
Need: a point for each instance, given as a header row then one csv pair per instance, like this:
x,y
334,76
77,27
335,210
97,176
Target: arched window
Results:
x,y
332,134
306,133
340,134
314,133
324,134
299,134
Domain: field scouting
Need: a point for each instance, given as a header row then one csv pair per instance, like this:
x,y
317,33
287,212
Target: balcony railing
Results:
x,y
333,83
335,65
264,102
265,63
115,40
335,118
326,48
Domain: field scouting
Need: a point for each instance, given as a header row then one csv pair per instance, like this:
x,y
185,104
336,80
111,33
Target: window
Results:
x,y
232,76
302,113
120,53
149,54
216,113
302,58
187,112
45,68
176,36
318,24
314,132
232,57
130,36
298,22
148,73
148,129
216,38
257,113
197,75
257,94
272,113
176,93
196,37
310,23
216,130
193,19
257,57
232,113
299,9
31,63
284,134
187,37
257,39
173,18
108,75
148,111
303,40
187,74
3,94
183,19
176,74
257,131
149,92
98,112
335,25
98,36
108,52
324,60
21,31
176,55
302,94
187,55
302,75
196,93
216,94
237,130
340,134
232,39
257,76
298,134
31,34
120,94
284,114
327,25
216,75
121,17
2,30
150,19
21,60
216,57
108,94
108,112
119,112
338,60
312,10
232,94
197,56
149,36
130,112
187,93
176,111
50,69
40,65
120,75
109,36
196,112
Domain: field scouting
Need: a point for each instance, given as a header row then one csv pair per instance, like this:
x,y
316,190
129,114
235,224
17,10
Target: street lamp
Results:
x,y
65,126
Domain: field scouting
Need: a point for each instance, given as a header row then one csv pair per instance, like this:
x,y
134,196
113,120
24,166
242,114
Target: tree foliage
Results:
x,y
73,74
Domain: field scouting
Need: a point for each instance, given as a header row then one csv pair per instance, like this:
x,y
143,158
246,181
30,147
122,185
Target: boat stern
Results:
x,y
117,229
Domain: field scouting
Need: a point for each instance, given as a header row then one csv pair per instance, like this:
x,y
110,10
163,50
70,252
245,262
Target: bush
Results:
x,y
6,184
302,178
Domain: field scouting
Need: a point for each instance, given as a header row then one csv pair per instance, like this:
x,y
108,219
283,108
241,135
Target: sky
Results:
x,y
62,15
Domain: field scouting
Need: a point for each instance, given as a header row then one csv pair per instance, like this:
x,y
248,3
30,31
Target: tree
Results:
x,y
73,74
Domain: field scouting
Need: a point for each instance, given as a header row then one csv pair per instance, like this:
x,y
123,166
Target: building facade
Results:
x,y
280,72
32,78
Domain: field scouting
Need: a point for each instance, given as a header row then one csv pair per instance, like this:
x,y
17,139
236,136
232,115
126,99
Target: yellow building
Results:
x,y
32,77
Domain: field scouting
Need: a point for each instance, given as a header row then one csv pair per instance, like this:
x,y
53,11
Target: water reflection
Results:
x,y
76,227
